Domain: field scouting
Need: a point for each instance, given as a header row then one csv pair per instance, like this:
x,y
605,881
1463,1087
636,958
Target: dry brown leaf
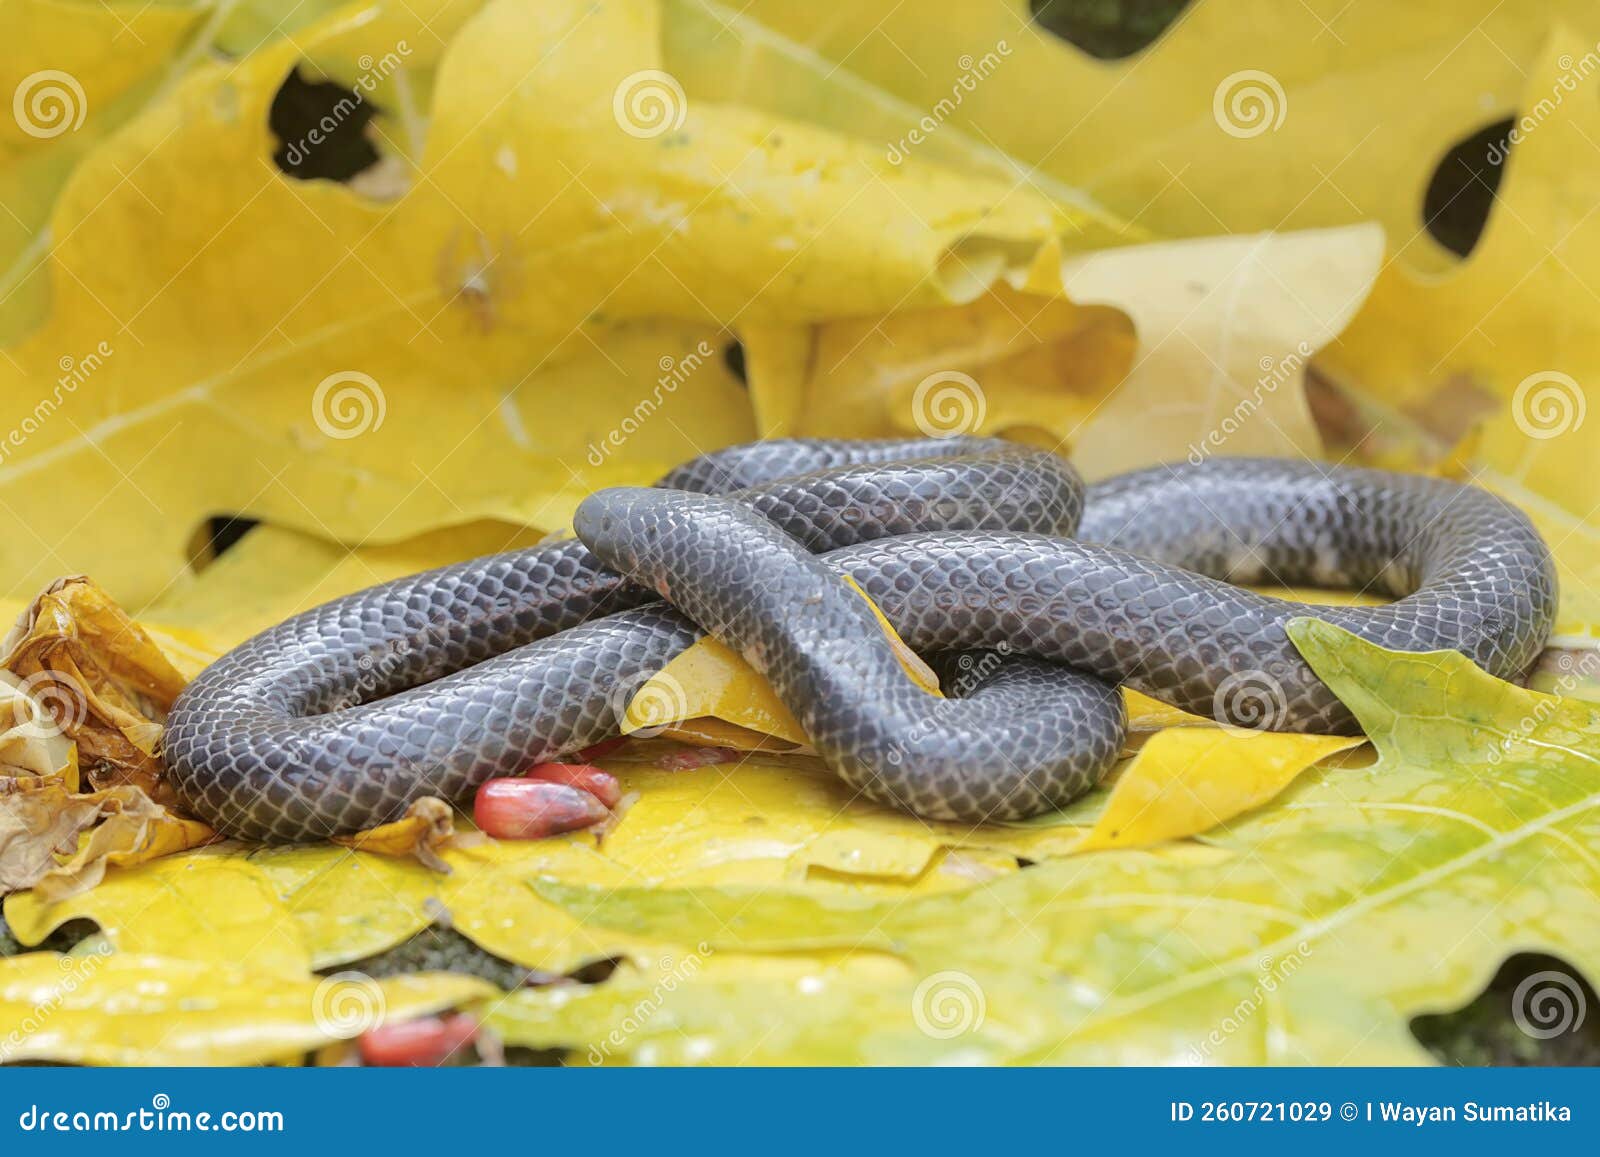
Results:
x,y
40,820
426,829
101,678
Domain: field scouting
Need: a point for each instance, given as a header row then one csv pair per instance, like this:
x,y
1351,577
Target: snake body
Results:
x,y
338,718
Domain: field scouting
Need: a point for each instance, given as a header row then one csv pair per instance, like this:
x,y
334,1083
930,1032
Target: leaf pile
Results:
x,y
397,283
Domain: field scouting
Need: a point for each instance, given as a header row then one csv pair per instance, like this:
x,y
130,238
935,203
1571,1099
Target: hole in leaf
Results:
x,y
1538,1010
321,129
215,537
1461,191
1107,29
733,358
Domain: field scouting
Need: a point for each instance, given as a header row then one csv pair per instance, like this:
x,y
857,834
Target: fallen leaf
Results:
x,y
1507,319
42,841
213,906
557,290
135,1009
426,828
106,684
1310,932
1189,780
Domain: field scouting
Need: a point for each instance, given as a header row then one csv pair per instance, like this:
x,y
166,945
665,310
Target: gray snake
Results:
x,y
1037,598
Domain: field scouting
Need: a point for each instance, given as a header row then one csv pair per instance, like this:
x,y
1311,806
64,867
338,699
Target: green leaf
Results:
x,y
1308,932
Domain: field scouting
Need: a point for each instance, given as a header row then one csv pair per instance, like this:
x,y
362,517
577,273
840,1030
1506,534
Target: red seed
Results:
x,y
599,750
529,809
430,1041
598,783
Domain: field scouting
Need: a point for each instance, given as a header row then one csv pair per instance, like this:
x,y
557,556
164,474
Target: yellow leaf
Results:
x,y
1513,319
1188,780
1359,102
493,284
132,1009
348,905
427,826
207,907
75,73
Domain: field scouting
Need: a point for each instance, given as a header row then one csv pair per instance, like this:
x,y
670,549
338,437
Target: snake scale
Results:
x,y
1036,596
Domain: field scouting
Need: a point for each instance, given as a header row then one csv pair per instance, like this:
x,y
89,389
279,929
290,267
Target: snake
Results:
x,y
1034,597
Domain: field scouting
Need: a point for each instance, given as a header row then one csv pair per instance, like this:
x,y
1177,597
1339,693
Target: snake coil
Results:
x,y
987,556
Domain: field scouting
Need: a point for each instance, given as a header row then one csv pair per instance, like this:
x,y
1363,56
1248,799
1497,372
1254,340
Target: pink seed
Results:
x,y
598,783
422,1043
529,809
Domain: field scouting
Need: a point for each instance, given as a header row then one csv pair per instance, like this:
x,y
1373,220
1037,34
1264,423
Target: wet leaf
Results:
x,y
1309,931
133,1009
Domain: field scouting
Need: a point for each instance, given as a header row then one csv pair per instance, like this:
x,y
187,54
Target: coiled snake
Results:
x,y
338,718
